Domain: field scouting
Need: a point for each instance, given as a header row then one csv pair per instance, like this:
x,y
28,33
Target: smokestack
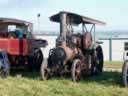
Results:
x,y
38,18
63,24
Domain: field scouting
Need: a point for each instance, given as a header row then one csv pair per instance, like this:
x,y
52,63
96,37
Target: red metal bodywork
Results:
x,y
14,46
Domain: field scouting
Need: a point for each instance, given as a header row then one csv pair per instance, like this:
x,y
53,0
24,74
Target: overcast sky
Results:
x,y
113,12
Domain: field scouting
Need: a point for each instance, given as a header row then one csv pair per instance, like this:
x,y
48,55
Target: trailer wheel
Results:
x,y
44,70
4,70
4,74
76,70
125,73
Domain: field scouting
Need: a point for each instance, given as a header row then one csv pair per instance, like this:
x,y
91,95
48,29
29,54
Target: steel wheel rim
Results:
x,y
77,71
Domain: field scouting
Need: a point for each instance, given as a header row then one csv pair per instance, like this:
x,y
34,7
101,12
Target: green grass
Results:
x,y
113,64
109,84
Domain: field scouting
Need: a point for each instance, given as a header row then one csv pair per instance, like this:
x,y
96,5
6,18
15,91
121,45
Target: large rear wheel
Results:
x,y
99,60
76,70
125,73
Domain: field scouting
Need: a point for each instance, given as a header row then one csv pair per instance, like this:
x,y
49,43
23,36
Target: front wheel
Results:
x,y
37,59
76,70
44,70
125,73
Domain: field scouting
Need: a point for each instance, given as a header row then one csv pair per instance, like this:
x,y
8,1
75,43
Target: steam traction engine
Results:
x,y
75,53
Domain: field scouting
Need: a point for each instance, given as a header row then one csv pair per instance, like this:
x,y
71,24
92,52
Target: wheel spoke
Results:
x,y
77,72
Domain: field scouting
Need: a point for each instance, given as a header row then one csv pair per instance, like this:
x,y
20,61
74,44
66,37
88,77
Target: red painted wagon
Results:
x,y
17,40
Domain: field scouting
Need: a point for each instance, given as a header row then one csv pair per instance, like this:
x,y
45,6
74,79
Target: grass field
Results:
x,y
109,84
113,64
